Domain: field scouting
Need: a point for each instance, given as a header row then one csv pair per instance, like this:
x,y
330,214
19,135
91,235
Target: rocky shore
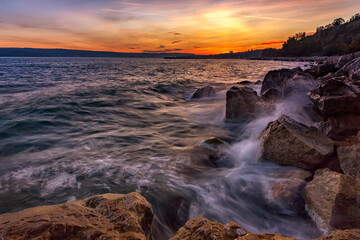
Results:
x,y
324,185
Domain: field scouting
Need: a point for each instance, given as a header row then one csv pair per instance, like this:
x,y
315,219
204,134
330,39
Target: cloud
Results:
x,y
163,51
174,33
178,41
129,12
271,43
196,47
161,46
131,4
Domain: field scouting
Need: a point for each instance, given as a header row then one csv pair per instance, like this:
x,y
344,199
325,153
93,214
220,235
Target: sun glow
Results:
x,y
202,27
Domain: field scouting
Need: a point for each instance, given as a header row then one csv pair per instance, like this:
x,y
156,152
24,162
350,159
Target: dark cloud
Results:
x,y
196,47
178,41
174,33
163,51
161,46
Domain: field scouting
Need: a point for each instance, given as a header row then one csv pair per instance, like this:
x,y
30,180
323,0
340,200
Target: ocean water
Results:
x,y
74,127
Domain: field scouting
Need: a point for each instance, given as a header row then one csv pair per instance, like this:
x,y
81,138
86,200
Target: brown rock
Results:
x,y
286,81
241,103
253,236
203,229
333,200
335,97
271,95
349,157
339,127
207,91
288,142
286,187
107,216
351,234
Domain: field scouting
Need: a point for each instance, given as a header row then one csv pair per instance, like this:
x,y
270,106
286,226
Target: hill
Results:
x,y
337,38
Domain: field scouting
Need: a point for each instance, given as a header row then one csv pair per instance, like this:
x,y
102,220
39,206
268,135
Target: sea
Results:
x,y
71,128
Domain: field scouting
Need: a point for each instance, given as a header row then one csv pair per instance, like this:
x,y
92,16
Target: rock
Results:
x,y
271,95
245,82
323,69
286,81
336,97
349,157
253,236
339,127
203,229
210,152
351,70
291,143
241,103
351,234
333,200
207,91
286,188
258,82
107,216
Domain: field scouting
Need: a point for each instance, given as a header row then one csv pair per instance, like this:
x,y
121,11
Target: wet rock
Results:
x,y
323,69
350,234
333,200
259,82
286,81
336,97
107,216
339,127
203,229
210,152
271,95
207,91
291,143
349,157
351,70
245,82
286,188
241,104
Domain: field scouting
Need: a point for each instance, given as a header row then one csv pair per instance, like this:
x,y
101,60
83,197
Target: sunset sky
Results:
x,y
192,26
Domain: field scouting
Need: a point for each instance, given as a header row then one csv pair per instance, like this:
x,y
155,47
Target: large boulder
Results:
x,y
203,229
335,97
107,216
207,91
291,143
333,200
241,104
349,157
287,81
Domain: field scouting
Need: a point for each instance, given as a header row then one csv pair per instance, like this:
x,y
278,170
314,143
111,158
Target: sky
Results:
x,y
188,26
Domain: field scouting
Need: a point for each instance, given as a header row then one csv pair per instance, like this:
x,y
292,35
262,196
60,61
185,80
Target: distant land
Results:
x,y
39,52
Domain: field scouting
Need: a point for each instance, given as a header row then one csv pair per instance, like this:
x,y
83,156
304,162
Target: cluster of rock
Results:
x,y
107,216
329,152
121,217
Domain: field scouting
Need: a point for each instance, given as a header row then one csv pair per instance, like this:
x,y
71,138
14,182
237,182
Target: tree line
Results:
x,y
337,38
